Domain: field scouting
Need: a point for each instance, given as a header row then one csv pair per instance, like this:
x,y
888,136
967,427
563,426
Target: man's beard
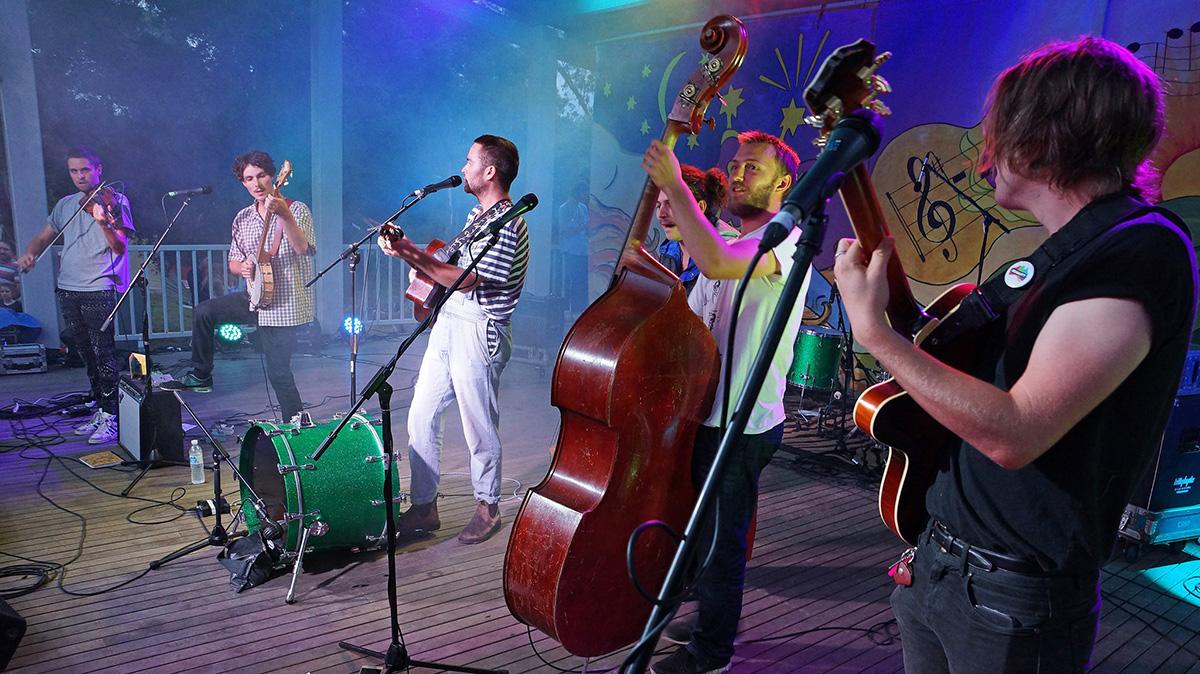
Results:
x,y
752,202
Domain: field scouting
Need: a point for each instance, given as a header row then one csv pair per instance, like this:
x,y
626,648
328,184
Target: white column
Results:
x,y
326,102
26,168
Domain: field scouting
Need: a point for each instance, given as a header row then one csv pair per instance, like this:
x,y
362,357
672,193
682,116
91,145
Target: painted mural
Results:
x,y
949,228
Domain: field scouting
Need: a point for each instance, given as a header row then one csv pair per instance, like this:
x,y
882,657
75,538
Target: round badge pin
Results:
x,y
1019,274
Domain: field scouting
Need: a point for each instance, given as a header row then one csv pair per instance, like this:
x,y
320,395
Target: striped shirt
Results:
x,y
502,271
292,303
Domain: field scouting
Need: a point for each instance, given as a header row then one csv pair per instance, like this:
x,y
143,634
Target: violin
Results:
x,y
103,206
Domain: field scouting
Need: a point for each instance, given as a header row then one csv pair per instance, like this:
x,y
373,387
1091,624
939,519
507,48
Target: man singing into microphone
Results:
x,y
468,346
291,243
95,267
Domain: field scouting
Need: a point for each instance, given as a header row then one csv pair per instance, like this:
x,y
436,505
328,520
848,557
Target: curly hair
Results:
x,y
1077,114
253,158
711,187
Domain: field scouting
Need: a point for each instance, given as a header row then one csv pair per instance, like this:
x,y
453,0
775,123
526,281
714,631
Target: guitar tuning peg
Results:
x,y
816,121
880,85
880,108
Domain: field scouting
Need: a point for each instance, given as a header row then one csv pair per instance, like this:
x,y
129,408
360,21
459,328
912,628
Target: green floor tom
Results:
x,y
816,357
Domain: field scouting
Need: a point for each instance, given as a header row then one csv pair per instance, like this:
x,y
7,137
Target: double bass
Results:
x,y
635,375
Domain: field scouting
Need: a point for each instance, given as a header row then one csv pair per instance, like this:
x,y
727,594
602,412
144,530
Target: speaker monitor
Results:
x,y
1171,481
12,628
149,423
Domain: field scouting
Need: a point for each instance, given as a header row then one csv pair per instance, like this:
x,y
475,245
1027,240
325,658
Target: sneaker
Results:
x,y
106,430
418,520
483,525
683,661
190,382
90,426
679,631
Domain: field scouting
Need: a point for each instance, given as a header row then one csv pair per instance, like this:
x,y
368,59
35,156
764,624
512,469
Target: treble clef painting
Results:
x,y
939,207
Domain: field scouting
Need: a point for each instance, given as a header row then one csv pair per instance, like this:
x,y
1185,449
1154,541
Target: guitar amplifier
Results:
x,y
12,628
148,423
1166,505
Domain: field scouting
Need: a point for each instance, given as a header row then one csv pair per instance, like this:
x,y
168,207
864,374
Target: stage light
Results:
x,y
230,332
352,325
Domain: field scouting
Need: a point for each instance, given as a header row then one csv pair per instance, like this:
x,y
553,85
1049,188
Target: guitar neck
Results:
x,y
866,217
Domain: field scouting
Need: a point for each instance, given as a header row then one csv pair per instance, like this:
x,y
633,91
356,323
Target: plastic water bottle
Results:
x,y
196,459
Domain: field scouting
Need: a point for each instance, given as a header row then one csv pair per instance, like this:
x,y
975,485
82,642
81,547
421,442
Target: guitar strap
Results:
x,y
991,300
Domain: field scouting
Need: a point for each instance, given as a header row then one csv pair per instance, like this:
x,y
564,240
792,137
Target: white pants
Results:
x,y
467,352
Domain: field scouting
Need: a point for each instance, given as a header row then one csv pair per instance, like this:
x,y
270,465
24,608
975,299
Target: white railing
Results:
x,y
183,275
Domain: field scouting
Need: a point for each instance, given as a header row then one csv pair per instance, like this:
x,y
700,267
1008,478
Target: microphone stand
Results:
x,y
219,536
988,219
139,280
397,657
811,237
351,255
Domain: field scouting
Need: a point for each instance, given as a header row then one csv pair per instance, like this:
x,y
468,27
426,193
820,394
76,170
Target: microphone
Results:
x,y
854,138
527,203
207,189
452,181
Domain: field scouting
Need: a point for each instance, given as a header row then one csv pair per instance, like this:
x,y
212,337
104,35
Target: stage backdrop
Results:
x,y
945,55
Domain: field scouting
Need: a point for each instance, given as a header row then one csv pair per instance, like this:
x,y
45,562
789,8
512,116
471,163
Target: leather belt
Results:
x,y
981,558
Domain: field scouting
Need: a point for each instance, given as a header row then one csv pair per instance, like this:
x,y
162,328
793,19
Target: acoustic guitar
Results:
x,y
261,285
917,444
425,292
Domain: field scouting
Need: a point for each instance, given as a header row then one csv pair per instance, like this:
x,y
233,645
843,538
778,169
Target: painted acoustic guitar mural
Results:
x,y
261,285
917,443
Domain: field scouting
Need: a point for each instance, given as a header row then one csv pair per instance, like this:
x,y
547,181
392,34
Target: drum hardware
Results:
x,y
288,518
284,470
317,528
374,459
401,498
397,657
219,536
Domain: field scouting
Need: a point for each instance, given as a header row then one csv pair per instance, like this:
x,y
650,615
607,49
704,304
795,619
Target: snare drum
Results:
x,y
816,358
344,489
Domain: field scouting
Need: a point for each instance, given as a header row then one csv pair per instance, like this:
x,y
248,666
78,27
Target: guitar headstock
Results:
x,y
846,82
284,175
724,42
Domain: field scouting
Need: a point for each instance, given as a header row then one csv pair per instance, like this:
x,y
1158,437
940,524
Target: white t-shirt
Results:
x,y
712,300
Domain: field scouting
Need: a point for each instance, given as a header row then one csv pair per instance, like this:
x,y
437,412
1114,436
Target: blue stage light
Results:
x,y
352,325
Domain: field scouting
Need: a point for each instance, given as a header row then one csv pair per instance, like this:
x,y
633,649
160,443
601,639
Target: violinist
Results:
x,y
94,268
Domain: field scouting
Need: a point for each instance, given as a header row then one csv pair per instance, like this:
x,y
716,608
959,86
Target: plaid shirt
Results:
x,y
292,303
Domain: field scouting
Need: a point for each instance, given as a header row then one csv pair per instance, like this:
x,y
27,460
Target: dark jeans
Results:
x,y
719,590
84,313
277,344
959,618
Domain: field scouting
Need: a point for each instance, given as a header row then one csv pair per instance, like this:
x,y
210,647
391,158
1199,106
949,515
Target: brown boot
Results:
x,y
418,519
484,524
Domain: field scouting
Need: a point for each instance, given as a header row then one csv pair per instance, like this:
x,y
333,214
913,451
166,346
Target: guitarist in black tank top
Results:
x,y
1076,392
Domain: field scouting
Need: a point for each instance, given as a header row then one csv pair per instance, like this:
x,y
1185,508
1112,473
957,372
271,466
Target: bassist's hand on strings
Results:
x,y
864,287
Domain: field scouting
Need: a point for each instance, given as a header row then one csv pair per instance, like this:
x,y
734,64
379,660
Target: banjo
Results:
x,y
261,285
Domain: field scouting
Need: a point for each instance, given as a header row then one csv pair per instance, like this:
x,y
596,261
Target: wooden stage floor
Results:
x,y
816,598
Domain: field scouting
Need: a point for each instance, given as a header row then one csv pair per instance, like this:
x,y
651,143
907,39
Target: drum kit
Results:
x,y
337,504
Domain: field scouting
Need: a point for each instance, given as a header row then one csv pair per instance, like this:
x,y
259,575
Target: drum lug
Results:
x,y
292,517
284,470
398,498
375,458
